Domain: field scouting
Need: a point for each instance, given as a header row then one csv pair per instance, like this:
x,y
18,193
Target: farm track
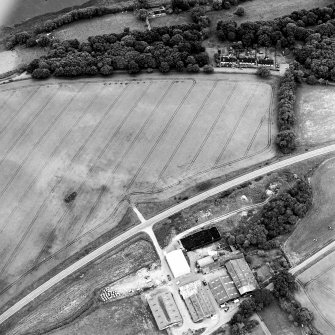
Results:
x,y
184,135
254,136
218,159
223,109
130,184
168,124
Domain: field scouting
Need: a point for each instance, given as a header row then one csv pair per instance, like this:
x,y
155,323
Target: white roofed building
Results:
x,y
177,263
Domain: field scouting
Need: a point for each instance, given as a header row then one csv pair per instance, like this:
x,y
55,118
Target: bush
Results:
x,y
208,69
263,72
41,73
286,141
240,11
142,14
217,4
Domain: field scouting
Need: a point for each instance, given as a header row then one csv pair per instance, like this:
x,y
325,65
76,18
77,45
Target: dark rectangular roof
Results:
x,y
201,239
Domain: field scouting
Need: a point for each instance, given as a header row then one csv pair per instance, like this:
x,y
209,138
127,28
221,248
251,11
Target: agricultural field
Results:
x,y
25,9
316,224
109,141
114,23
315,114
73,301
317,293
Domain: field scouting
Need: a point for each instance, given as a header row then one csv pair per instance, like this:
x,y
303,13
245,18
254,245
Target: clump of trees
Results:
x,y
163,48
227,4
286,115
276,218
263,72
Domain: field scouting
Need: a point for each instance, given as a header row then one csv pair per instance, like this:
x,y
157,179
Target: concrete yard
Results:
x,y
110,141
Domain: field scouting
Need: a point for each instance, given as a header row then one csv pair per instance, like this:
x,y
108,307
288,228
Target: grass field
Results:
x,y
114,23
315,116
318,293
25,9
277,321
315,225
109,141
75,296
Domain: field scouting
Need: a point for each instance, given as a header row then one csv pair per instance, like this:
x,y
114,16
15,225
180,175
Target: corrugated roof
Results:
x,y
164,310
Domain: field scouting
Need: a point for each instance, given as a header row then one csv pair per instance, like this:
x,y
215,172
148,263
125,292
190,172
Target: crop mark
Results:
x,y
185,134
30,96
103,150
101,192
52,123
217,161
7,99
110,107
254,136
25,130
223,108
28,229
161,135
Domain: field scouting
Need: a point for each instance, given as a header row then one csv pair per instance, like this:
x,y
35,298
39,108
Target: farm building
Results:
x,y
242,275
219,262
247,61
202,262
156,12
265,62
223,289
201,239
177,263
164,310
197,301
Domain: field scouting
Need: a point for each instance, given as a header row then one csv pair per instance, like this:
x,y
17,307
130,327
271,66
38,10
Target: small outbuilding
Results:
x,y
177,263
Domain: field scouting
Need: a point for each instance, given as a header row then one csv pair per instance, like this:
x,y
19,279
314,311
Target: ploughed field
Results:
x,y
318,293
107,141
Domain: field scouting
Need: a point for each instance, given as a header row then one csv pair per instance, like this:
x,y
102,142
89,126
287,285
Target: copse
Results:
x,y
163,48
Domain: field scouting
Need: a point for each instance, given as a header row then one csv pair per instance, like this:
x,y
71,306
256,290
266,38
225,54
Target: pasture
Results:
x,y
315,114
317,293
316,224
111,141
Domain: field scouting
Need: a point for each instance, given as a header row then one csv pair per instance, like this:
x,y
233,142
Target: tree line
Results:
x,y
164,48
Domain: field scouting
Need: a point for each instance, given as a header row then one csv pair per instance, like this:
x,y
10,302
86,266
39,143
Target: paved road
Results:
x,y
111,244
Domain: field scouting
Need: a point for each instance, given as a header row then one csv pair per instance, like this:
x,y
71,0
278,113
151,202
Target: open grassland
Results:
x,y
315,114
276,320
110,141
73,299
315,225
114,23
317,293
25,9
